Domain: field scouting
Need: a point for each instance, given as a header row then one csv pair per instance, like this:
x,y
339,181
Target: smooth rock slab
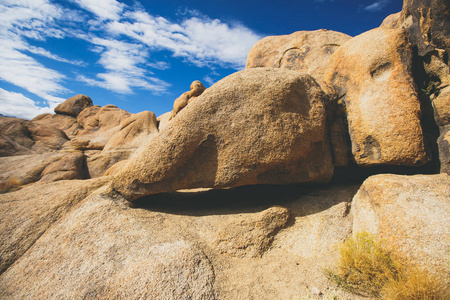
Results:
x,y
105,250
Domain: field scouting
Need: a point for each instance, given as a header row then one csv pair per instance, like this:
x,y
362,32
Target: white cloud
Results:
x,y
17,105
122,62
45,53
201,41
376,6
29,19
104,9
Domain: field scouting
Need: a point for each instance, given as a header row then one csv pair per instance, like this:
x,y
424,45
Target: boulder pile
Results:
x,y
246,189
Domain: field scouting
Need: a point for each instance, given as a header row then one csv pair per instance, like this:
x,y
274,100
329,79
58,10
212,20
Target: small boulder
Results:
x,y
411,213
15,138
46,137
74,105
67,167
252,235
257,126
302,51
372,75
66,123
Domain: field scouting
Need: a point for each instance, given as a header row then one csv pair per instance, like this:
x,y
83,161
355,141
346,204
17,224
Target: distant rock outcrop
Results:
x,y
74,105
260,144
256,126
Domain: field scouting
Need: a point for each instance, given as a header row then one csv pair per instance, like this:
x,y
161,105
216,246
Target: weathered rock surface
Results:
x,y
46,137
411,213
252,235
427,24
98,125
15,138
66,123
28,213
163,120
100,161
104,249
18,136
133,131
280,113
26,168
74,105
69,166
304,51
372,75
444,149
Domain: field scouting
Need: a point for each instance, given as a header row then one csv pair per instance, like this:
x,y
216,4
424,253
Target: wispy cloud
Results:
x,y
126,39
200,40
376,6
16,104
124,65
35,20
104,9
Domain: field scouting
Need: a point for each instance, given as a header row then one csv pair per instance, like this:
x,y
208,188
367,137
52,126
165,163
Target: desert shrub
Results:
x,y
365,267
414,283
9,185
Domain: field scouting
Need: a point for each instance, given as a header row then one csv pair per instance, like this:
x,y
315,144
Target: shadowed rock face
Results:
x,y
253,127
372,75
303,51
427,23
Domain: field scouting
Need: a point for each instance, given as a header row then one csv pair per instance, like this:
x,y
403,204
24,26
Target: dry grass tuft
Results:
x,y
414,283
10,185
365,267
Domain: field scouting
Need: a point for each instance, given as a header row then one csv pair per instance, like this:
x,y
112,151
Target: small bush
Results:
x,y
365,267
414,283
9,185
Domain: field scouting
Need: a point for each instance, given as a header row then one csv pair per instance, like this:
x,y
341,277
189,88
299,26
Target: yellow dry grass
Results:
x,y
365,267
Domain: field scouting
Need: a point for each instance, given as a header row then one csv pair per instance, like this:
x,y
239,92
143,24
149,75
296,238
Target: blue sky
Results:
x,y
141,55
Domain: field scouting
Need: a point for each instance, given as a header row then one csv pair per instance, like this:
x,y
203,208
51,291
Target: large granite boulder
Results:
x,y
304,51
253,127
372,75
411,213
74,105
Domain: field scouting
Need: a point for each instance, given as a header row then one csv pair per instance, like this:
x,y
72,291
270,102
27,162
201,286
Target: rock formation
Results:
x,y
411,213
372,74
234,197
196,90
280,112
302,51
